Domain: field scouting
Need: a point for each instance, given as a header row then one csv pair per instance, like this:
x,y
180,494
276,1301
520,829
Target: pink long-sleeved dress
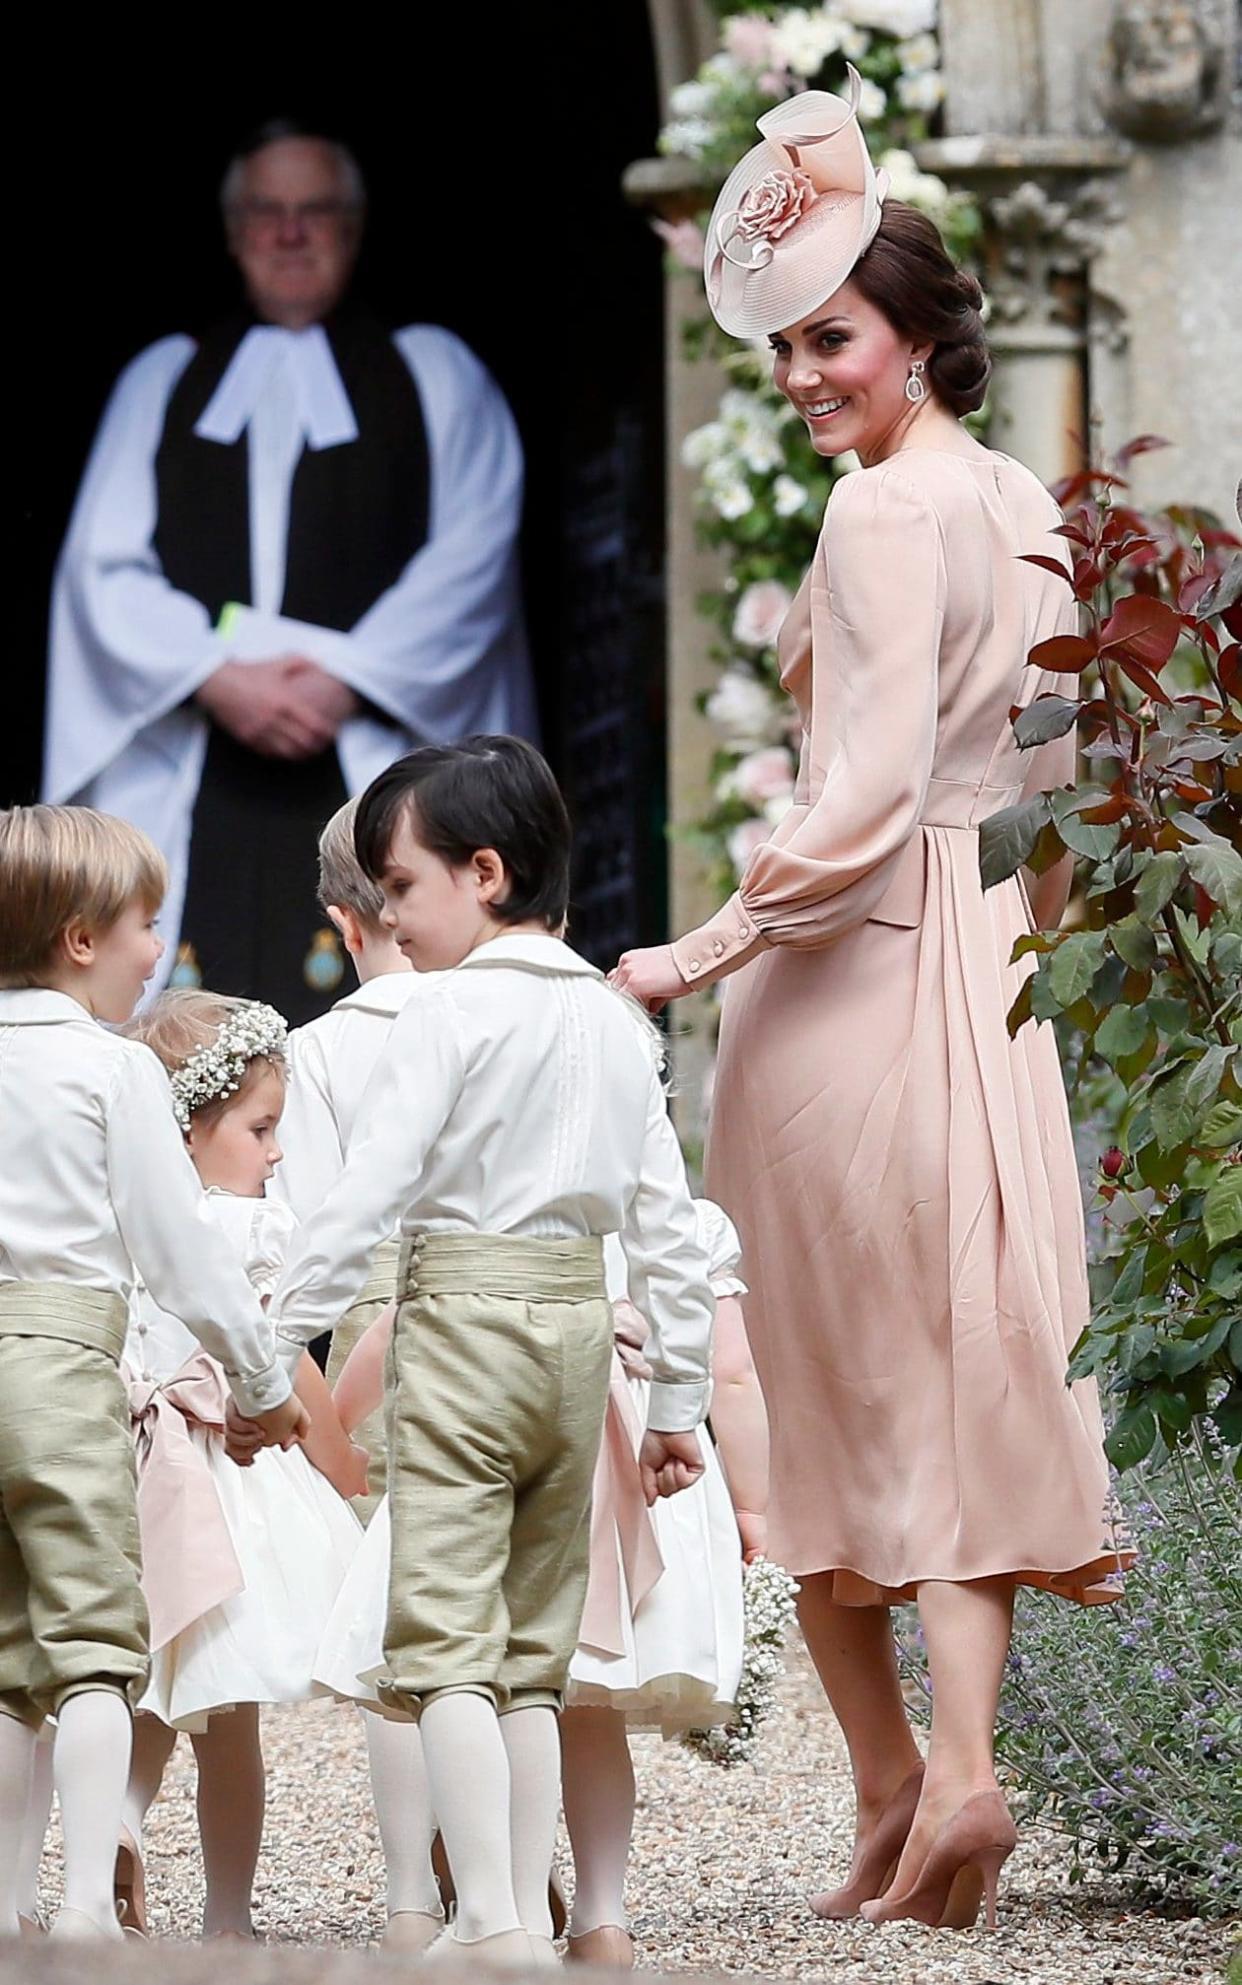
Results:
x,y
903,1173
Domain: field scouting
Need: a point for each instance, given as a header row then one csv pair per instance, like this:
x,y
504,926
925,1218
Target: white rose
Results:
x,y
691,100
902,18
765,777
742,709
872,102
687,136
921,52
703,445
730,498
760,612
788,496
803,41
742,842
906,182
775,808
854,42
922,92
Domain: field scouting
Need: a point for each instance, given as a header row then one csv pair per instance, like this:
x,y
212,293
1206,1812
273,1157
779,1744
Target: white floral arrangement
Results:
x,y
761,486
219,1069
768,1595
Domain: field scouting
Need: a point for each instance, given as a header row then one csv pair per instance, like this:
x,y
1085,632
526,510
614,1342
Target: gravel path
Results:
x,y
722,1866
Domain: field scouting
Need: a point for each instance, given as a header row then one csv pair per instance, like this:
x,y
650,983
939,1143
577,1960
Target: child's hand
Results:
x,y
752,1528
242,1438
285,1425
355,1480
669,1463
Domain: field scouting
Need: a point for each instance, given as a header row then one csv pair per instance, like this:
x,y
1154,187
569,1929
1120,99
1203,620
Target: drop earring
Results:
x,y
916,390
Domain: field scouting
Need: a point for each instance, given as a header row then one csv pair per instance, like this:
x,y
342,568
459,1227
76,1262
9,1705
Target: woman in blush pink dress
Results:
x,y
902,1172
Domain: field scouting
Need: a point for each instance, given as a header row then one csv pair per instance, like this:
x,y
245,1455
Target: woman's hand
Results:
x,y
651,977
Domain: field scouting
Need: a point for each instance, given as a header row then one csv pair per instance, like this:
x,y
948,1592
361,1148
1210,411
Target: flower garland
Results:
x,y
762,487
768,1595
219,1069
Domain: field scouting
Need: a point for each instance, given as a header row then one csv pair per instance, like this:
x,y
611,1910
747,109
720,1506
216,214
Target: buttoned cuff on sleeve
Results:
x,y
260,1392
678,1408
289,1350
729,940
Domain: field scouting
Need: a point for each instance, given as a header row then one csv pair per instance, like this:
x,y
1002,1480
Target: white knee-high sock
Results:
x,y
468,1772
403,1808
599,1814
534,1747
38,1812
91,1768
17,1749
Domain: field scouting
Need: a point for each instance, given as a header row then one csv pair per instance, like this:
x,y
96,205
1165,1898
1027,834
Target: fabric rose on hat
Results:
x,y
771,208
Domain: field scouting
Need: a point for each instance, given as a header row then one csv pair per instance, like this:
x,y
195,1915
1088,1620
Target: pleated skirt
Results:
x,y
904,1179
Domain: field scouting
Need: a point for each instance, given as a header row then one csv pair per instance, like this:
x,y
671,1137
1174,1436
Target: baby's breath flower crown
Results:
x,y
219,1069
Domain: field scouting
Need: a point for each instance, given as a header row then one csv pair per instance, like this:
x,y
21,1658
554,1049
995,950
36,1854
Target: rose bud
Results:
x,y
1113,1163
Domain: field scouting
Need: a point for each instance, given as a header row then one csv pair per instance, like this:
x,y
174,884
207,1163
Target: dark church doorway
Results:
x,y
493,152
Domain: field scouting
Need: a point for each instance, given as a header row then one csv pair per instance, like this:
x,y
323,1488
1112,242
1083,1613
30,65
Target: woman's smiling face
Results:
x,y
845,368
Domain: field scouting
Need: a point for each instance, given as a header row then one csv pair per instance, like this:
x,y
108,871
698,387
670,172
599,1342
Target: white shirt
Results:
x,y
518,1094
330,1062
257,1232
95,1181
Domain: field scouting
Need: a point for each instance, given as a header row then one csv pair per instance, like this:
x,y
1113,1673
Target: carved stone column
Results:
x,y
667,188
1047,203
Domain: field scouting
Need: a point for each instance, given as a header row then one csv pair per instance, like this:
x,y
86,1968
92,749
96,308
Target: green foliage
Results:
x,y
1153,983
1122,1725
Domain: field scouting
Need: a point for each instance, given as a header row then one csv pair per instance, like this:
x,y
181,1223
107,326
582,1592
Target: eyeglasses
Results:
x,y
268,216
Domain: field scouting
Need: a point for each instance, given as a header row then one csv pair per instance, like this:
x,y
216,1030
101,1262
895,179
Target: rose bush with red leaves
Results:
x,y
1151,980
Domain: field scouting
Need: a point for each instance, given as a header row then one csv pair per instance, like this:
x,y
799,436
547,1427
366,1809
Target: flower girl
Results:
x,y
241,1563
661,1644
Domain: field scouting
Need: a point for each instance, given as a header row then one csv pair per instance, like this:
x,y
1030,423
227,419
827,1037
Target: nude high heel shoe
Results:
x,y
129,1886
963,1864
876,1859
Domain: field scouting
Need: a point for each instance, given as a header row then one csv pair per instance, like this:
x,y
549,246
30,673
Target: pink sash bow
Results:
x,y
619,1517
189,1564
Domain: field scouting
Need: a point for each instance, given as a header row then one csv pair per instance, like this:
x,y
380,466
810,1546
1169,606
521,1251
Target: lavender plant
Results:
x,y
1121,1726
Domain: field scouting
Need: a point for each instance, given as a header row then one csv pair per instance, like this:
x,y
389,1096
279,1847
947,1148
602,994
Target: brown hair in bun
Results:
x,y
908,274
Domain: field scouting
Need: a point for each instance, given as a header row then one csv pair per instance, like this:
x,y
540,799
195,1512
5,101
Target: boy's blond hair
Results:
x,y
182,1021
342,882
65,864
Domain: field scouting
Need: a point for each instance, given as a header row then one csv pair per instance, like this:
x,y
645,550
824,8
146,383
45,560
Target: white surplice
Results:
x,y
442,651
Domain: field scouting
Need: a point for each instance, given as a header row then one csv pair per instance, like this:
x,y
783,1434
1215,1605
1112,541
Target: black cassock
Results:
x,y
358,512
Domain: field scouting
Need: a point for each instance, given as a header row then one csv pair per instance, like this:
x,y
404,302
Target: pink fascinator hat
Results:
x,y
794,216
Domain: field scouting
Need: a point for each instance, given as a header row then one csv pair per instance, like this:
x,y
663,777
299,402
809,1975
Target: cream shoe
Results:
x,y
412,1929
76,1925
508,1950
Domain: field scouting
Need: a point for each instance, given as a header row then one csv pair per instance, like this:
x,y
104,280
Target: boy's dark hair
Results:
x,y
487,792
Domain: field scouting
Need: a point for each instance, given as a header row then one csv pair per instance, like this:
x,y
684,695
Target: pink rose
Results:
x,y
771,208
684,241
764,775
760,612
748,38
743,840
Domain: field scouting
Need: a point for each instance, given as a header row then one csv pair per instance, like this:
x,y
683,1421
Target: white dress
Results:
x,y
293,1536
682,1655
683,1644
